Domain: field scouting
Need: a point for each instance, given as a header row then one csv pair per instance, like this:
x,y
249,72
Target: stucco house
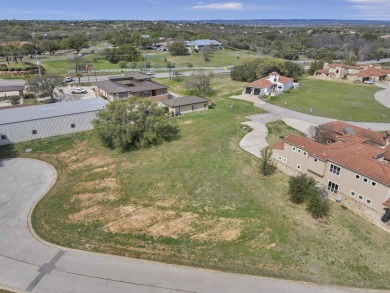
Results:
x,y
184,105
134,84
356,74
271,85
353,169
34,122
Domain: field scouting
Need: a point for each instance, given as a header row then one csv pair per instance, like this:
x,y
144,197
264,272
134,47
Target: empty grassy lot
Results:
x,y
200,201
350,102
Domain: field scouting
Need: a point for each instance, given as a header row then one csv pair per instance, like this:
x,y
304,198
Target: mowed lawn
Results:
x,y
200,201
349,102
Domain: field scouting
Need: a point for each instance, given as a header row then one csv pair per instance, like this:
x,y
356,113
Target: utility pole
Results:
x,y
169,68
38,64
145,62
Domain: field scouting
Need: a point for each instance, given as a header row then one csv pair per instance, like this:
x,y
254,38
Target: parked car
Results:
x,y
78,90
68,79
150,72
176,73
369,82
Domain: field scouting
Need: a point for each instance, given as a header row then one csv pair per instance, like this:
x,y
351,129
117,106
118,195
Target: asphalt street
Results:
x,y
30,265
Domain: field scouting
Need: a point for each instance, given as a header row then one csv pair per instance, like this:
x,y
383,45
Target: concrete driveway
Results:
x,y
29,265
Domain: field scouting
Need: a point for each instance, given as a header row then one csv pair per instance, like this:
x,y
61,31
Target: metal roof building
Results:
x,y
35,122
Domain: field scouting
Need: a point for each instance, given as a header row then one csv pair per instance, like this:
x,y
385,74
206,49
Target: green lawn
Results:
x,y
349,102
200,201
61,66
279,130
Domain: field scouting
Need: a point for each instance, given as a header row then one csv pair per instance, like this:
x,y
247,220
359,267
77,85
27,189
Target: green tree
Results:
x,y
50,46
315,65
133,123
200,82
300,187
75,42
178,49
317,205
45,84
267,167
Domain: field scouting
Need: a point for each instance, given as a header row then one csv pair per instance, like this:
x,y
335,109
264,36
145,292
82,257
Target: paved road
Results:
x,y
29,265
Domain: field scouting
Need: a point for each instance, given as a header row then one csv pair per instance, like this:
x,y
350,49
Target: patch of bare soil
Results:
x,y
176,226
185,122
102,169
87,215
110,183
89,199
221,229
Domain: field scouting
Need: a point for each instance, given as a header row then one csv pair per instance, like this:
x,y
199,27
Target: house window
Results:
x,y
315,160
353,193
373,183
73,125
365,180
298,167
275,156
284,160
333,187
361,197
334,169
3,137
294,149
328,141
368,200
304,153
34,132
357,176
280,158
299,151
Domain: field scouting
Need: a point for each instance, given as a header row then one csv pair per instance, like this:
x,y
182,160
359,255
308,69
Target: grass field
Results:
x,y
200,201
349,102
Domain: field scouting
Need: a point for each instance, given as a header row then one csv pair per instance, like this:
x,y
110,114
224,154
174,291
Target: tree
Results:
x,y
315,65
206,53
75,42
267,167
300,187
132,123
178,49
50,46
200,83
44,85
317,206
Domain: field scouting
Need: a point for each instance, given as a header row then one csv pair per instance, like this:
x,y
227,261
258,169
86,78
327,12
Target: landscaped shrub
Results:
x,y
29,96
14,100
300,187
317,206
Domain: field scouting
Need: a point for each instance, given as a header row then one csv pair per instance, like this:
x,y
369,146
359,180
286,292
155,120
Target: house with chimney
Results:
x,y
350,162
271,85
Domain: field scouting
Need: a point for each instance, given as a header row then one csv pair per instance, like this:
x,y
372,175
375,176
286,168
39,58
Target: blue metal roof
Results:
x,y
50,110
204,43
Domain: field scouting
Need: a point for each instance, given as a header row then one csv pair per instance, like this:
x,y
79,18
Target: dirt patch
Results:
x,y
91,161
102,169
110,183
86,215
222,229
185,122
88,199
178,225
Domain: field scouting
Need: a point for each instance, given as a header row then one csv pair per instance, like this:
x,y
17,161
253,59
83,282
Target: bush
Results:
x,y
122,64
14,100
29,96
300,187
267,167
317,206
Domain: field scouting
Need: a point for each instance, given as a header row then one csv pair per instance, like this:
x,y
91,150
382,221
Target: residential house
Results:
x,y
184,105
133,84
199,45
356,74
271,85
34,122
353,170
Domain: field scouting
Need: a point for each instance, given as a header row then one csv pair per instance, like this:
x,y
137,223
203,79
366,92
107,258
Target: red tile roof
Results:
x,y
285,79
387,203
339,126
261,83
324,71
372,72
277,146
353,156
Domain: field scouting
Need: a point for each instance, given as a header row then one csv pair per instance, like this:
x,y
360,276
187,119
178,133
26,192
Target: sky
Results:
x,y
194,10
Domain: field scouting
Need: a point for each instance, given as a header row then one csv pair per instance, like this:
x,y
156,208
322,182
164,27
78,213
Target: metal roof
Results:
x,y
50,110
128,85
11,88
204,43
183,101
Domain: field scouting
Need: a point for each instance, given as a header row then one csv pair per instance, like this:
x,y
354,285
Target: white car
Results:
x,y
68,79
78,90
369,82
150,73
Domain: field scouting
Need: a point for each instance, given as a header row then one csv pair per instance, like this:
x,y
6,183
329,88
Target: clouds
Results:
x,y
371,9
221,6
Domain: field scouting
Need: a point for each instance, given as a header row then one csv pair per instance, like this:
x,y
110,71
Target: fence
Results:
x,y
121,70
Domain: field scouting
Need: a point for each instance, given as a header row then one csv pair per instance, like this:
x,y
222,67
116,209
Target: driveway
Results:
x,y
30,265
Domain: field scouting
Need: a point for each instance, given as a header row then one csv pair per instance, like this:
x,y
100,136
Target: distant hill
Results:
x,y
294,22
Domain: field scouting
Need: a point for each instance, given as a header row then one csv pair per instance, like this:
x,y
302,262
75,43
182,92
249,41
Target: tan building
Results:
x,y
354,170
355,74
134,84
184,105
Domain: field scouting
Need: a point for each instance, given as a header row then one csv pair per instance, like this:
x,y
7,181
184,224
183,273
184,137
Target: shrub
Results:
x,y
14,100
317,206
29,96
300,187
267,167
122,64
